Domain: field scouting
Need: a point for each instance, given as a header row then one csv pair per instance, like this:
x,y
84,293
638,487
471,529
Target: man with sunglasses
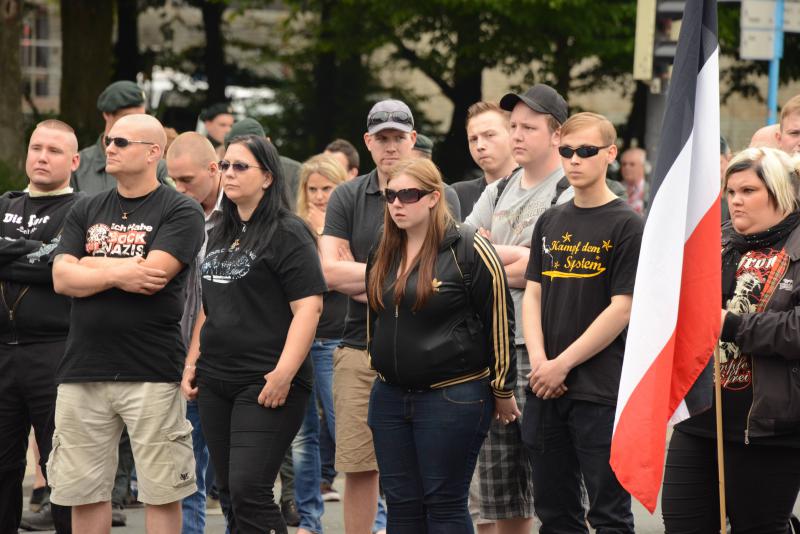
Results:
x,y
577,302
506,213
353,222
123,257
116,101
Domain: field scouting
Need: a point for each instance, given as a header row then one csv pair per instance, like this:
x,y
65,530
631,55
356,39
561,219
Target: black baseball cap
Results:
x,y
540,98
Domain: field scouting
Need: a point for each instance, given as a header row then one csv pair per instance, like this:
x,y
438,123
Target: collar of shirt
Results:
x,y
373,185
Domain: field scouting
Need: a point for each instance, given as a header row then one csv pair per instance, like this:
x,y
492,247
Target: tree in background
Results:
x,y
11,144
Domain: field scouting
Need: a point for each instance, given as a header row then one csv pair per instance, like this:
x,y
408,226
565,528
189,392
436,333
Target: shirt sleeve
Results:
x,y
481,216
626,256
73,236
534,270
339,214
182,232
492,298
297,262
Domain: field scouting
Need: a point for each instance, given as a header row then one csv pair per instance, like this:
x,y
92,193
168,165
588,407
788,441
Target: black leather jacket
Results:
x,y
460,334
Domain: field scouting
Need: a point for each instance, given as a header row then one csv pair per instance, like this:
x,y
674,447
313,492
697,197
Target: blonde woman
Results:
x,y
441,340
319,176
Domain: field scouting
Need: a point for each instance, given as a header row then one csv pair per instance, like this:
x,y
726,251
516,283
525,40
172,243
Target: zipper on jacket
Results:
x,y
753,385
11,311
394,347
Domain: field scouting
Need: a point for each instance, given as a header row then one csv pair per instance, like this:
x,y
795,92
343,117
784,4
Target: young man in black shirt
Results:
x,y
123,257
576,308
35,320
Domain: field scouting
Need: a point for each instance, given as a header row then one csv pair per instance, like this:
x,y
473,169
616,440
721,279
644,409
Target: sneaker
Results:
x,y
289,512
38,498
328,493
118,517
212,506
38,521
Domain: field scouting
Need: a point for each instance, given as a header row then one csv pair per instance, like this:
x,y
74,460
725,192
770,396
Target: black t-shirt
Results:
x,y
246,298
334,311
736,371
120,336
583,257
469,191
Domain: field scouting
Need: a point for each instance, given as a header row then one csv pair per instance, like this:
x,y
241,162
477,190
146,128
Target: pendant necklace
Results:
x,y
141,203
235,245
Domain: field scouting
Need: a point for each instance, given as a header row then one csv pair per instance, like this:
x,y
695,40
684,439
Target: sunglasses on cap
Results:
x,y
237,166
379,117
122,142
406,196
585,151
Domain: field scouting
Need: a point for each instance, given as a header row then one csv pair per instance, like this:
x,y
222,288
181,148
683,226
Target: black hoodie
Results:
x,y
30,310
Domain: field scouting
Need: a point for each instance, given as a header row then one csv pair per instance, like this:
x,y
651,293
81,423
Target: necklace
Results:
x,y
139,205
235,245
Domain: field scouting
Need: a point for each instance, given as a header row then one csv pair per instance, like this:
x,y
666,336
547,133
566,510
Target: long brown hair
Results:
x,y
392,247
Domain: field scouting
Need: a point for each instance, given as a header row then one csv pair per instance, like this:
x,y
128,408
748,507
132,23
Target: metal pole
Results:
x,y
775,66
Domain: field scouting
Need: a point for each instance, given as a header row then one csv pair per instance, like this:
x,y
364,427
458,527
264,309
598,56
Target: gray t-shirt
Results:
x,y
512,218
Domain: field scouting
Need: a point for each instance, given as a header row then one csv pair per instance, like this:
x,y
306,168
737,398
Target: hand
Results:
x,y
345,254
134,277
275,391
188,383
547,382
316,217
485,233
506,410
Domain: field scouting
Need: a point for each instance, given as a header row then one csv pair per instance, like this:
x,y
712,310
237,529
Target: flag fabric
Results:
x,y
675,319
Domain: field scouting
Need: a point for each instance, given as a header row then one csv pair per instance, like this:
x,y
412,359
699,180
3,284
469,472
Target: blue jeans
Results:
x,y
322,357
427,443
194,506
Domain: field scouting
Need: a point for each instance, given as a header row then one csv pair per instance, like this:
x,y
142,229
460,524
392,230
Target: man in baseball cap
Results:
x,y
117,100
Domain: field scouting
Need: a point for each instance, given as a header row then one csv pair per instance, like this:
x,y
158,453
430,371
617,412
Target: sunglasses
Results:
x,y
237,166
406,196
379,117
586,151
122,142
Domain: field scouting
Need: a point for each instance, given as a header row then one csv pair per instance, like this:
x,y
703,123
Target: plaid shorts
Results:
x,y
504,469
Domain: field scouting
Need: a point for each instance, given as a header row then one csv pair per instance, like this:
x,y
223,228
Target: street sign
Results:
x,y
791,16
758,14
757,44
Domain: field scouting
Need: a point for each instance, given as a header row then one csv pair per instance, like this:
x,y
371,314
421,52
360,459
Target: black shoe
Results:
x,y
38,521
118,517
289,512
38,497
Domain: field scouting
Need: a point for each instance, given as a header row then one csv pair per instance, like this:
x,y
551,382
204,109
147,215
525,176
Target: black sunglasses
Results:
x,y
122,142
379,117
406,196
585,151
237,166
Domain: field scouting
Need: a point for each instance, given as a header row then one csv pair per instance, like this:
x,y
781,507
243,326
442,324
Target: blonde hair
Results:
x,y
392,246
775,168
791,107
585,120
323,164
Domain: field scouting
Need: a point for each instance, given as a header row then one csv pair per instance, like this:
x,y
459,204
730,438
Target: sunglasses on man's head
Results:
x,y
237,166
122,142
406,196
585,151
379,117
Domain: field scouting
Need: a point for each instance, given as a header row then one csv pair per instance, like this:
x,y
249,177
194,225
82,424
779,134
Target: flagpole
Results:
x,y
720,453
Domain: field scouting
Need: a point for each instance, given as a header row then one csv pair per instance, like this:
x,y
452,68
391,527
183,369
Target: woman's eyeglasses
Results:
x,y
585,151
237,166
406,196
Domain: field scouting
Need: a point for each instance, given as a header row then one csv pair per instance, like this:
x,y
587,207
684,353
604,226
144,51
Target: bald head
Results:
x,y
194,146
766,137
146,126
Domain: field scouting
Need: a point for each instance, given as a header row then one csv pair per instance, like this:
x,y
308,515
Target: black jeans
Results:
x,y
761,486
247,444
27,398
567,439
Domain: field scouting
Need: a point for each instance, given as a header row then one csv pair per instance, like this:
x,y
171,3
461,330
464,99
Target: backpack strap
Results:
x,y
561,186
502,183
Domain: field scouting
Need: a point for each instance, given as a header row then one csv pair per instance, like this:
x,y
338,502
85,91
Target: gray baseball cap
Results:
x,y
390,114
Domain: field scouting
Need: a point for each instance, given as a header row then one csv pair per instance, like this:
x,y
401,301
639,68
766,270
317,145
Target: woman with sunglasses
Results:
x,y
759,355
441,339
319,176
262,298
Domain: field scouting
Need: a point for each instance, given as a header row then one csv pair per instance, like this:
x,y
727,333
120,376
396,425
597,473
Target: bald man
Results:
x,y
35,322
633,167
192,163
766,137
122,258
